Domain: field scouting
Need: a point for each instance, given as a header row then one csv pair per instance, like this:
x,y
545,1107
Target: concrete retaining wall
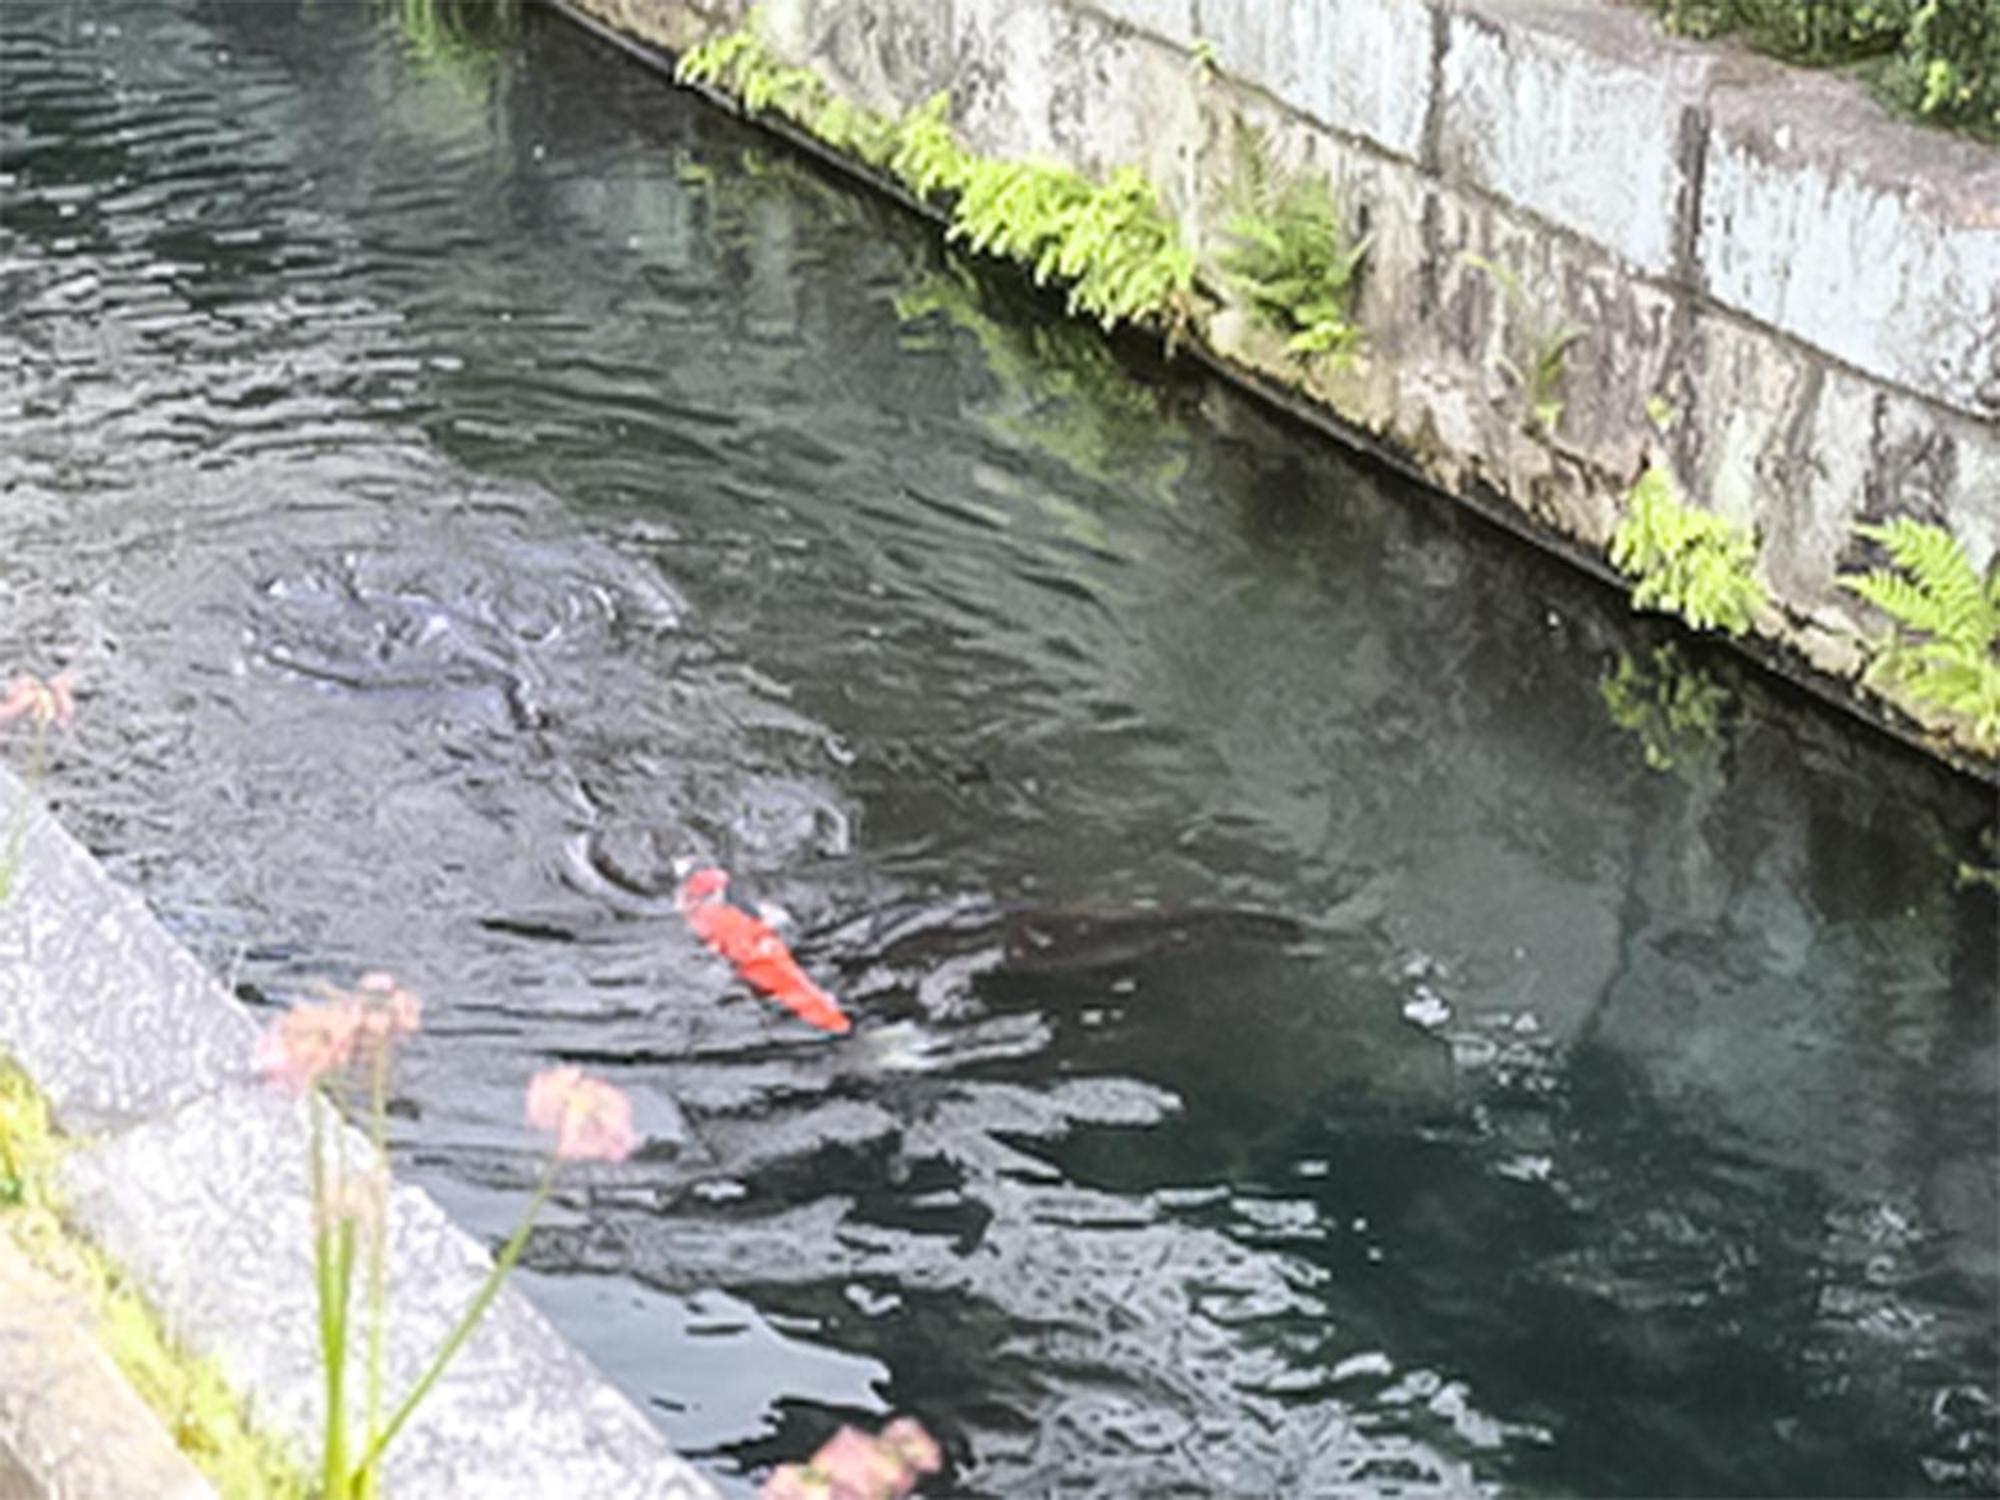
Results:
x,y
191,1175
1787,296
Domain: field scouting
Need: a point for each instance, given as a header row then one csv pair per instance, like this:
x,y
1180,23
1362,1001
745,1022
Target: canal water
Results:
x,y
1344,1007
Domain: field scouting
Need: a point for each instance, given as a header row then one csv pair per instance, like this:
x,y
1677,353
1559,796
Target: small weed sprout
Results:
x,y
1687,561
1944,646
1539,353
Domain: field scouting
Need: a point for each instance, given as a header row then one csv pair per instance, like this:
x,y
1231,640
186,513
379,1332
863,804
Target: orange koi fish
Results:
x,y
757,953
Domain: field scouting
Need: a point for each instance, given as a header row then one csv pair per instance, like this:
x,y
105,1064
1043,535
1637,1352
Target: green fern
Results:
x,y
848,127
1123,255
1289,255
715,62
740,63
1017,210
1112,245
1688,561
1944,648
795,93
927,155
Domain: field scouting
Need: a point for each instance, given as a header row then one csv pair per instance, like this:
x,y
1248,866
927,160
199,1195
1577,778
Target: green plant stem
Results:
x,y
332,1316
378,1244
489,1289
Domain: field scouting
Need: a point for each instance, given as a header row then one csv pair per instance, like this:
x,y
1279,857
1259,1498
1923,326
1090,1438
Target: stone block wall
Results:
x,y
1786,296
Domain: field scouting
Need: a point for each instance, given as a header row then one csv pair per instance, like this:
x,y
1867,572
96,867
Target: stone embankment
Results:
x,y
190,1174
1745,274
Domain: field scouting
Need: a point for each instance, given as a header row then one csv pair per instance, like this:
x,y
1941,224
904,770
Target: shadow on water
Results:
x,y
1343,1006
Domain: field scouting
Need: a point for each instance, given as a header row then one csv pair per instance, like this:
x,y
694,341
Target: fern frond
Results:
x,y
1289,257
1686,560
927,156
1959,603
1945,648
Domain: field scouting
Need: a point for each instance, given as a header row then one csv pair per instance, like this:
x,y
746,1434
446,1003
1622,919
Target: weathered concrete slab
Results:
x,y
109,1015
70,1427
210,1209
1802,449
1876,241
1170,20
1361,66
1072,85
888,55
1378,61
1584,116
671,27
194,1178
1019,71
1432,379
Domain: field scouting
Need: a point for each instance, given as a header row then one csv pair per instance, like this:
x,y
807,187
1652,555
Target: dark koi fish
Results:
x,y
757,953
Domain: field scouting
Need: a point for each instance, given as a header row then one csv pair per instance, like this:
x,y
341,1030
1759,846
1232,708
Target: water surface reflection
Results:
x,y
1307,1048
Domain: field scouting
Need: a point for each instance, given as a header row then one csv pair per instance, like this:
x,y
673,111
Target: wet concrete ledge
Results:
x,y
192,1176
1787,297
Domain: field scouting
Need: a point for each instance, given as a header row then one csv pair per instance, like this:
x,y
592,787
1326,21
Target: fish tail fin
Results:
x,y
817,1008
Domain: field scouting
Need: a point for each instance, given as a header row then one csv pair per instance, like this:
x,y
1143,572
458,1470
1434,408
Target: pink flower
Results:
x,y
307,1042
863,1466
907,1438
388,1010
591,1119
851,1465
45,702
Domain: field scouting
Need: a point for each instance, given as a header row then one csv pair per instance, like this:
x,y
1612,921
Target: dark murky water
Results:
x,y
1306,1048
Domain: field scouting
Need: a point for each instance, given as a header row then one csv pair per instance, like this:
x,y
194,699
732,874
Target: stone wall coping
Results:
x,y
1870,238
1590,117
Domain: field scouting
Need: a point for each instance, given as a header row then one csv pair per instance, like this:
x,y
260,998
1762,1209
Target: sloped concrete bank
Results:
x,y
70,1427
1782,296
191,1174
